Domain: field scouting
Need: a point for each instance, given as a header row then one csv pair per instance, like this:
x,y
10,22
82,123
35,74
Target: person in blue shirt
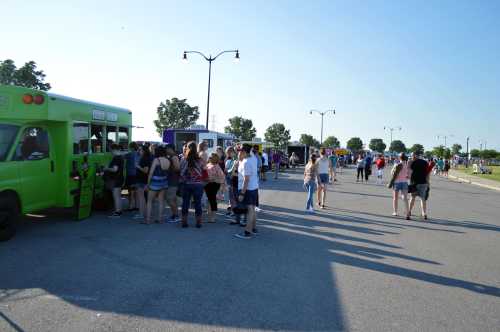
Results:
x,y
333,166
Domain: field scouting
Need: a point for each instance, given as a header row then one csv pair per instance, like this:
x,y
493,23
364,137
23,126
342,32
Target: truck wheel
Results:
x,y
9,213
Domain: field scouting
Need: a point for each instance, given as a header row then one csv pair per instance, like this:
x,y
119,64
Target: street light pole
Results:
x,y
391,129
210,59
445,138
322,115
467,154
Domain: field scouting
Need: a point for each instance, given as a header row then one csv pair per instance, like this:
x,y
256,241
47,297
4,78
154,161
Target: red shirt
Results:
x,y
430,167
380,163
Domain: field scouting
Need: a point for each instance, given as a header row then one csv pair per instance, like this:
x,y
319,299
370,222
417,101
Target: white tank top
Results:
x,y
323,166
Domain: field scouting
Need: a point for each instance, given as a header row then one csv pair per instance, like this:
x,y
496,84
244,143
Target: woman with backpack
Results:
x,y
157,184
399,183
193,175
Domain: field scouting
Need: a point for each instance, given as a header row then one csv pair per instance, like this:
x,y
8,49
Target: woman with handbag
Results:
x,y
194,176
399,184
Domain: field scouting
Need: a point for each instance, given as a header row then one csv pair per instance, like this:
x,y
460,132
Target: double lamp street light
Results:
x,y
322,115
210,59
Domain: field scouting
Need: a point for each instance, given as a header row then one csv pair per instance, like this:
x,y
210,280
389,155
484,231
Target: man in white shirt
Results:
x,y
248,187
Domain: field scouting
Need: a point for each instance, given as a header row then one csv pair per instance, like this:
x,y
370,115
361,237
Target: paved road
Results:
x,y
350,267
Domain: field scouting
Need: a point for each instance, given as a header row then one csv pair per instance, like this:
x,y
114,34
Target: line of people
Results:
x,y
157,174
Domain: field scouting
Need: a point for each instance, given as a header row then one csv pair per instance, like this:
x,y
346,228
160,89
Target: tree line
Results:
x,y
177,113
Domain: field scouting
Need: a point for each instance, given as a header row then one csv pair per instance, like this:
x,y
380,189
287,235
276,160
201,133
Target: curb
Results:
x,y
459,179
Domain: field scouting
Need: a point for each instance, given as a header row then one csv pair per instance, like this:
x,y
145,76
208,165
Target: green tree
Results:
x,y
175,113
27,76
278,135
308,140
488,154
417,148
397,146
439,151
456,148
475,153
241,128
428,155
377,144
355,144
331,142
447,153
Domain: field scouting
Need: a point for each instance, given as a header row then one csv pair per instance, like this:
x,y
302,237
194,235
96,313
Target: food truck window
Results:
x,y
34,145
111,134
80,138
96,138
123,138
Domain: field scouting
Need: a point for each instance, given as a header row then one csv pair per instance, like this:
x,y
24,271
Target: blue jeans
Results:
x,y
311,188
192,190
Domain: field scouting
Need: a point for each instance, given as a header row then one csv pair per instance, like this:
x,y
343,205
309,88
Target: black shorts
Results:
x,y
251,197
264,169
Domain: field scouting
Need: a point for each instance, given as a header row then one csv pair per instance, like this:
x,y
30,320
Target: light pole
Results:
x,y
467,154
391,129
445,138
322,115
210,59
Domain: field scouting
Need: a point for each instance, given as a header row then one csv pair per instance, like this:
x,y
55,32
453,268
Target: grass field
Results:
x,y
495,176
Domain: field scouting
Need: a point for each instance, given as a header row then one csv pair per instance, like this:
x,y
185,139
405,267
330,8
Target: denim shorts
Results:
x,y
324,178
401,186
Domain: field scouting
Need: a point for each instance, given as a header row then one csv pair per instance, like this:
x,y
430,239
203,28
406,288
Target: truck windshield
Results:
x,y
7,136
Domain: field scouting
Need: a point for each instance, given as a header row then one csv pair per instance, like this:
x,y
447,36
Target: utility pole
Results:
x,y
391,129
322,115
467,155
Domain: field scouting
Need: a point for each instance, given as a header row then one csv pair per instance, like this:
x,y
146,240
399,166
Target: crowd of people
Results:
x,y
155,176
409,178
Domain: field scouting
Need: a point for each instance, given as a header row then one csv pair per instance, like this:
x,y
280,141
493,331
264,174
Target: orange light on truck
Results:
x,y
28,99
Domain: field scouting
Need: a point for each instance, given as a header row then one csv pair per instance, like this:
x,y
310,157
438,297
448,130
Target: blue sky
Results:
x,y
430,67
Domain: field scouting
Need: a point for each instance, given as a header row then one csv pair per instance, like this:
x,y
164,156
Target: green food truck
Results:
x,y
52,151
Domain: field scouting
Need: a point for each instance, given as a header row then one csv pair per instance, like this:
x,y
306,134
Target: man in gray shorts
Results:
x,y
419,183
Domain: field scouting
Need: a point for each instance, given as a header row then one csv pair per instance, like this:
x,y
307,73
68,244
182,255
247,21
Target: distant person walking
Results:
x,y
380,164
368,166
446,167
276,162
293,160
113,175
419,183
265,165
360,167
311,179
334,161
323,173
399,184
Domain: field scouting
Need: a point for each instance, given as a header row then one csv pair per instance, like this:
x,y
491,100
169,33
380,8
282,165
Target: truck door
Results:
x,y
36,169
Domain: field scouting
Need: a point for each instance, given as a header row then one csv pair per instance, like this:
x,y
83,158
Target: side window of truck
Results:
x,y
34,144
123,138
80,138
96,138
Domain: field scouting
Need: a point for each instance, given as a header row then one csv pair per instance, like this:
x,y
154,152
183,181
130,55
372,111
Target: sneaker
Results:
x,y
255,231
115,215
245,235
138,217
394,214
311,210
257,209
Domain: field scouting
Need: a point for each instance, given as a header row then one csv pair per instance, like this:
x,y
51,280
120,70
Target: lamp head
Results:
x,y
237,56
184,57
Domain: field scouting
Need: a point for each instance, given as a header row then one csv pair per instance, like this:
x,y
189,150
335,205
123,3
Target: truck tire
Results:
x,y
9,215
